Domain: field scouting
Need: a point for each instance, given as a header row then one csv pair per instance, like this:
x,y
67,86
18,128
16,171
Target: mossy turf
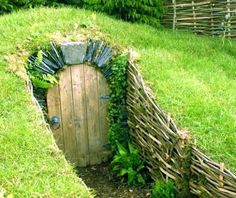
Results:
x,y
192,77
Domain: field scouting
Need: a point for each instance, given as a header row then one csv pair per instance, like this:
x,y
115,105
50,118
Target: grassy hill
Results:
x,y
193,78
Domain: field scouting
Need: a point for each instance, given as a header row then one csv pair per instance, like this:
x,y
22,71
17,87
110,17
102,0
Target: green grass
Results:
x,y
30,164
192,77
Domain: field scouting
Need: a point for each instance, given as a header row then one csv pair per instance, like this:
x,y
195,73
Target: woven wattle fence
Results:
x,y
168,151
211,17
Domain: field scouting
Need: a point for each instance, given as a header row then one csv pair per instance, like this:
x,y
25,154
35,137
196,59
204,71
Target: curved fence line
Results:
x,y
168,151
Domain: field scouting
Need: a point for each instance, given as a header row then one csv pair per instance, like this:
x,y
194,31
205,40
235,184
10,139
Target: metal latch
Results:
x,y
104,97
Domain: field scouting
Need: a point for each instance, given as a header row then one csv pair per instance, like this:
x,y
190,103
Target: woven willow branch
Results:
x,y
169,152
215,17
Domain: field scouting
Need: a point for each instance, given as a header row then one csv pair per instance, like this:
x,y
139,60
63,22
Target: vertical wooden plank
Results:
x,y
67,115
91,93
103,92
54,109
80,114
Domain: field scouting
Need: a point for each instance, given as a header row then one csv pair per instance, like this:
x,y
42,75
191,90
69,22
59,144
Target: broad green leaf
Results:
x,y
121,149
123,172
140,179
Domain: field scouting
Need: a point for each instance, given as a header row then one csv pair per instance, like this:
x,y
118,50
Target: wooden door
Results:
x,y
80,101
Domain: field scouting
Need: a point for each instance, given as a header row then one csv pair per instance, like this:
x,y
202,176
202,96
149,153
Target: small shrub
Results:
x,y
128,163
9,5
77,3
163,189
144,11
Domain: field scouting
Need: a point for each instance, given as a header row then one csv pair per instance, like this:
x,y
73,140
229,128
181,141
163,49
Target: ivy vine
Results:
x,y
118,130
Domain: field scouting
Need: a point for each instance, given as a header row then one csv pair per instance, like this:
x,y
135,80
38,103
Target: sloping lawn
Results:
x,y
193,78
30,164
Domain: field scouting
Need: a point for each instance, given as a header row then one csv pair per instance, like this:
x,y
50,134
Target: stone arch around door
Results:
x,y
83,69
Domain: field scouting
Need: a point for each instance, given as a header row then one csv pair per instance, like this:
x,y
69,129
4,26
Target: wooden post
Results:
x,y
229,20
174,16
194,17
184,163
212,19
221,176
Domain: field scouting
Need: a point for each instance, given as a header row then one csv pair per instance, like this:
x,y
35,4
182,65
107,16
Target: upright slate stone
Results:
x,y
74,52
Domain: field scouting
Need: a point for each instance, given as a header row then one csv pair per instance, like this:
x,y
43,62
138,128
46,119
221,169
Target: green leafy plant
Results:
x,y
39,79
43,80
87,24
118,130
144,11
128,163
9,5
163,189
225,27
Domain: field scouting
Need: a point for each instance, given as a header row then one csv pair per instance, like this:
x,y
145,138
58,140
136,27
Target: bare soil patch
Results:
x,y
106,185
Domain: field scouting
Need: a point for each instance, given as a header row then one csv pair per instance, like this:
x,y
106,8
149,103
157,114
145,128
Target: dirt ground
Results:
x,y
107,185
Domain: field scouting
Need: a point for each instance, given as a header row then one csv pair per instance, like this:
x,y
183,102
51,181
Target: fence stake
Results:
x,y
229,19
212,20
194,17
221,176
174,16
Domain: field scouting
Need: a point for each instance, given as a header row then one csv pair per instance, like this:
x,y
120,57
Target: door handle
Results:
x,y
55,122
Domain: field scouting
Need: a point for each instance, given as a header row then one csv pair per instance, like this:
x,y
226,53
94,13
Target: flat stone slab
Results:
x,y
74,52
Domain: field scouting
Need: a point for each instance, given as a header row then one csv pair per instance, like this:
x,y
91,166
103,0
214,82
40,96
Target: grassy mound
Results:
x,y
30,163
192,77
